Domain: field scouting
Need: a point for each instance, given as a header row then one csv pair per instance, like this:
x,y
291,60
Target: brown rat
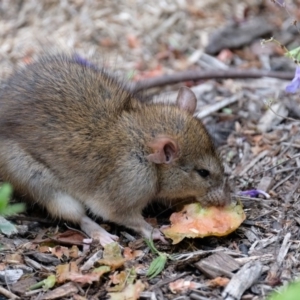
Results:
x,y
73,139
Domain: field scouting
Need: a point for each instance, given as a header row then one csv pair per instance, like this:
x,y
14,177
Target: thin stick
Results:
x,y
283,162
8,294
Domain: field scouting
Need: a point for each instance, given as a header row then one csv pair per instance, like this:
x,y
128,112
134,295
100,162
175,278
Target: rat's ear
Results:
x,y
165,150
186,100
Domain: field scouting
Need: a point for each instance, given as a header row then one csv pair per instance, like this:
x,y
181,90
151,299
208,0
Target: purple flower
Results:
x,y
254,193
295,84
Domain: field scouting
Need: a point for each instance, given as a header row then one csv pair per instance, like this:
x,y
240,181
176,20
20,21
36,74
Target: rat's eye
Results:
x,y
203,173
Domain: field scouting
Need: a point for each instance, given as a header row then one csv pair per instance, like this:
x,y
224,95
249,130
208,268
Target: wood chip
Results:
x,y
265,183
242,280
65,290
217,264
272,117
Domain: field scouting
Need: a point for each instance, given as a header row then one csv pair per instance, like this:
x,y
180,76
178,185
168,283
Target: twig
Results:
x,y
167,280
204,75
253,162
287,169
283,180
217,106
271,168
286,244
8,294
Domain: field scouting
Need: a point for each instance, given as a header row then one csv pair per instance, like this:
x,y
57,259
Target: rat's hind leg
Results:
x,y
96,232
33,180
65,206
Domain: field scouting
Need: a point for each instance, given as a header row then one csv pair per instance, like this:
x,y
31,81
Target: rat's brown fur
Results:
x,y
72,138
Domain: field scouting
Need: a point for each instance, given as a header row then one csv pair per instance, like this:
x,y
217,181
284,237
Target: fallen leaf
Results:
x,y
70,237
14,258
218,282
63,271
130,254
195,221
74,252
112,256
78,297
70,272
101,270
181,285
46,284
45,249
119,280
131,292
83,278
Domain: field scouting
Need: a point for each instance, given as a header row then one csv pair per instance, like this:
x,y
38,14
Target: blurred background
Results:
x,y
145,38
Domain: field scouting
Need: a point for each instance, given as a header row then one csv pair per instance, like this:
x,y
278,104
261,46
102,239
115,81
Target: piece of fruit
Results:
x,y
197,221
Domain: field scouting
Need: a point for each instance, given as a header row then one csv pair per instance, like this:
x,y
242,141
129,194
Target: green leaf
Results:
x,y
291,293
49,282
295,53
157,265
13,209
5,193
150,244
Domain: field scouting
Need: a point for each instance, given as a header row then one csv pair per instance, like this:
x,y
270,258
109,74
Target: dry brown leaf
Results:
x,y
131,292
112,256
71,237
14,258
74,252
119,280
63,271
45,249
78,297
70,272
59,251
83,278
218,282
130,254
182,285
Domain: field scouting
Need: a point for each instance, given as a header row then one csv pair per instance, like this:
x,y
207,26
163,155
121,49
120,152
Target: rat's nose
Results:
x,y
219,196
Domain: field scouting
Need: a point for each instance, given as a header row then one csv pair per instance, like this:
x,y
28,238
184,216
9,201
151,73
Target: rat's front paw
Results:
x,y
104,238
156,234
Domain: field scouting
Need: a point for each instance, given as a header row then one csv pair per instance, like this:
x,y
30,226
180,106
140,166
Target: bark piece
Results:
x,y
242,280
217,264
236,35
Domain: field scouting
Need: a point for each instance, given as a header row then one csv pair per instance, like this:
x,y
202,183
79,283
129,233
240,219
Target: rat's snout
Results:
x,y
217,196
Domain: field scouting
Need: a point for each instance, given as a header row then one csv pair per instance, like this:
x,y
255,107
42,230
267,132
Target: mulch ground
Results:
x,y
254,122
